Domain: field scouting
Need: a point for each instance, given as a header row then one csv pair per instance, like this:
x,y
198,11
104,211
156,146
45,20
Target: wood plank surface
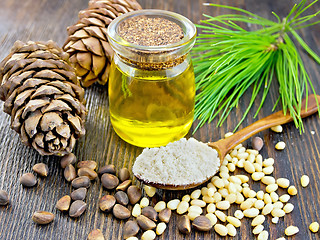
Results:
x,y
47,19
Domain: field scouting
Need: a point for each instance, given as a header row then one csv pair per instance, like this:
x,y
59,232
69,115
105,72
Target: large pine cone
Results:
x,y
87,44
43,97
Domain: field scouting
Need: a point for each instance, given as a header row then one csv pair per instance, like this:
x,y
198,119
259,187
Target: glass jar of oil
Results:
x,y
151,81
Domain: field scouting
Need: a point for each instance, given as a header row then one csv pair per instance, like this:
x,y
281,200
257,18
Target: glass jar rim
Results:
x,y
188,28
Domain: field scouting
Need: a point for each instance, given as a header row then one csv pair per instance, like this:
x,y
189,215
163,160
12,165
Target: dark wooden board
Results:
x,y
48,19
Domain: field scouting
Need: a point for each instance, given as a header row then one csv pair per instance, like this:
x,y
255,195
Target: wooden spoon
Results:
x,y
223,146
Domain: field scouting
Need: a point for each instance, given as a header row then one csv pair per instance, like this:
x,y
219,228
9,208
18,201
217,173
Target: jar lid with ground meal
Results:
x,y
151,81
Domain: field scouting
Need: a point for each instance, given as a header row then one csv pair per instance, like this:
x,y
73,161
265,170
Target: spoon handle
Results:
x,y
225,145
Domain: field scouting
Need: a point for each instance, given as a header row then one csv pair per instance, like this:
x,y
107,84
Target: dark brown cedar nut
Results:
x,y
257,143
122,198
41,169
121,212
123,186
184,225
69,173
87,172
109,181
202,223
145,223
107,169
4,198
79,194
134,194
77,208
124,174
150,213
68,159
42,217
80,182
63,203
87,164
106,203
96,234
165,215
131,228
28,180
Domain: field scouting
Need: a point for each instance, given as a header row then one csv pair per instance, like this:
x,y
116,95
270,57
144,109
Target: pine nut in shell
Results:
x,y
4,198
28,180
106,203
96,234
109,181
124,174
257,143
124,185
41,169
202,223
111,169
145,223
77,208
150,213
68,159
63,203
87,164
184,224
165,215
121,212
291,230
134,194
122,198
80,182
130,229
42,217
91,174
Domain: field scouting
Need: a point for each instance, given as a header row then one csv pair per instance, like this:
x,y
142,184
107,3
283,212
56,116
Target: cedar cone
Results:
x,y
87,44
43,97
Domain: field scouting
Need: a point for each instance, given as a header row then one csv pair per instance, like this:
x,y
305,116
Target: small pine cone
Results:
x,y
43,96
87,44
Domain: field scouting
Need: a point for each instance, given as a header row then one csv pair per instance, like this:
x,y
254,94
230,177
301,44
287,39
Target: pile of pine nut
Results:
x,y
226,189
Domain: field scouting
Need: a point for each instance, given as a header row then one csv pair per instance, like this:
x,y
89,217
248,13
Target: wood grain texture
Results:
x,y
48,19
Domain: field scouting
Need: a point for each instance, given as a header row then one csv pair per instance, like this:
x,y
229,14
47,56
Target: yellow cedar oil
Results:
x,y
151,108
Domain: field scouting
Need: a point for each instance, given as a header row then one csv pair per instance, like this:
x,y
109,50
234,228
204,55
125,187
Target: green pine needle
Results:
x,y
229,59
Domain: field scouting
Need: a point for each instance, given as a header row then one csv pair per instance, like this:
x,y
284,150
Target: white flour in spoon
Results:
x,y
179,163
